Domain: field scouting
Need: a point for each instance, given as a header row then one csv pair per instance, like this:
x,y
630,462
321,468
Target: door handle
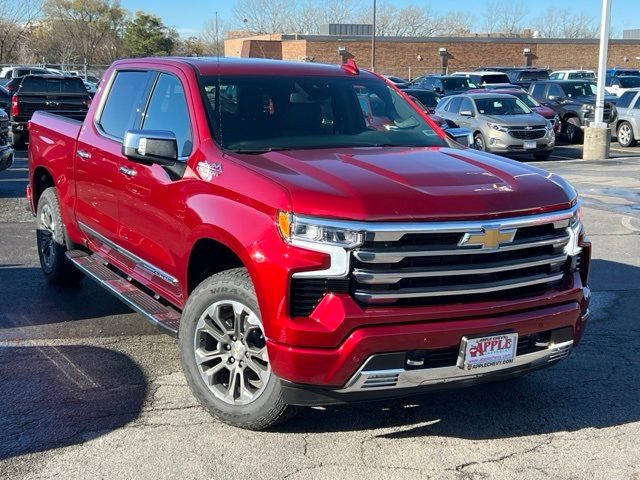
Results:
x,y
83,154
129,172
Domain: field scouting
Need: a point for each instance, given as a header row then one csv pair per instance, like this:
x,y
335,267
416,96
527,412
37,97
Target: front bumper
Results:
x,y
373,382
6,157
498,142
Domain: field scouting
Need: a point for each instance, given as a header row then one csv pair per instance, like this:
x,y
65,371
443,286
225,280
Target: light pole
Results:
x,y
597,137
373,39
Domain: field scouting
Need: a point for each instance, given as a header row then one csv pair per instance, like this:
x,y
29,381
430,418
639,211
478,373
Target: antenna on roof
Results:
x,y
219,98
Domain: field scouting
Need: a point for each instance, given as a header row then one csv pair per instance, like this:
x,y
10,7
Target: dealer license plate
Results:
x,y
488,352
528,145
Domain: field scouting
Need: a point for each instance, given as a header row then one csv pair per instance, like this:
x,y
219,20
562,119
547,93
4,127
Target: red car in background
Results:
x,y
531,102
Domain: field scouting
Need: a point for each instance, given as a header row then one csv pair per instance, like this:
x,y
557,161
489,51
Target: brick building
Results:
x,y
411,57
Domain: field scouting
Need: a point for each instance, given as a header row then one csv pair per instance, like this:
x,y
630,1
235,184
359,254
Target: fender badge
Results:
x,y
208,170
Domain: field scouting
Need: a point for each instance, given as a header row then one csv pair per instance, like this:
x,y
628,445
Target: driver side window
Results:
x,y
555,91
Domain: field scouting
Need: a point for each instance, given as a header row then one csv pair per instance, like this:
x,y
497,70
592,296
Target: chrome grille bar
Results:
x,y
389,277
395,255
384,296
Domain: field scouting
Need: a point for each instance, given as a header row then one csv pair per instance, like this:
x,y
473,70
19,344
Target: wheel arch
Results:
x,y
41,180
207,257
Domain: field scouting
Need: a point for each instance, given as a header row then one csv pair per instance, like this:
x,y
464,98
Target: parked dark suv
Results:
x,y
6,152
446,84
522,76
574,102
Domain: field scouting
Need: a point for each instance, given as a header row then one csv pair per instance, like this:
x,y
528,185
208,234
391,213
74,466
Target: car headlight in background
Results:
x,y
316,230
495,126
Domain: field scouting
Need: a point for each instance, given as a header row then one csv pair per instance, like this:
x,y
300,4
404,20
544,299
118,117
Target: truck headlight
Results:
x,y
294,229
587,108
575,228
495,126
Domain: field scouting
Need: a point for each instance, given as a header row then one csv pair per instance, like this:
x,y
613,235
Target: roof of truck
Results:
x,y
248,66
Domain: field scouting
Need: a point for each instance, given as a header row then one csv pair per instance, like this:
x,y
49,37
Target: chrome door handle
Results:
x,y
83,154
129,172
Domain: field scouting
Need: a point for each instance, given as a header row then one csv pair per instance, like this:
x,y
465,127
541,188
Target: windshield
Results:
x,y
629,82
495,78
581,75
534,75
457,83
579,89
52,85
501,106
527,99
262,113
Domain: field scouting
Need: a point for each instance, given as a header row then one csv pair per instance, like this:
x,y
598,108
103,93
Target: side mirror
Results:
x,y
466,113
463,136
150,146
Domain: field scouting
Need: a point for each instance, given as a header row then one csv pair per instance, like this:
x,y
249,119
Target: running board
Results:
x,y
165,319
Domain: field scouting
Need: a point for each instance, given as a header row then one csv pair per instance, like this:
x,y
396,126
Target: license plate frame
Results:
x,y
488,351
530,145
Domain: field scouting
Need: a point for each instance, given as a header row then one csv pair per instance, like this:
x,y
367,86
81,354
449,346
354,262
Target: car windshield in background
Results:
x,y
527,99
428,99
579,89
534,75
582,75
457,83
501,106
253,114
497,78
52,85
629,82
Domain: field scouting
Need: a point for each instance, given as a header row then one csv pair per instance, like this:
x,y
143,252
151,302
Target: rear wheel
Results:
x,y
18,140
479,143
224,353
625,135
572,130
50,236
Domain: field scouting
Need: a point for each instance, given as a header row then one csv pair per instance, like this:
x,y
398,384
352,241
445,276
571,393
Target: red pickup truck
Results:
x,y
303,252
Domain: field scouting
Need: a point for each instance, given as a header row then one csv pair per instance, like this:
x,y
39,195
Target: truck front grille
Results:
x,y
532,134
419,268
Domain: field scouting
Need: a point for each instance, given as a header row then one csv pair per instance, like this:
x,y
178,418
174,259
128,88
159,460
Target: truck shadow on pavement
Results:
x,y
595,387
55,396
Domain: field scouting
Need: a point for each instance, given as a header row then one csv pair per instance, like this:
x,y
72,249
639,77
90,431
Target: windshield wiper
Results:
x,y
257,151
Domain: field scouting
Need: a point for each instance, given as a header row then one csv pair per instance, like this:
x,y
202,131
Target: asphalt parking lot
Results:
x,y
89,390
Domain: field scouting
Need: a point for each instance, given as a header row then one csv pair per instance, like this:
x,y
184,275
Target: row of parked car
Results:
x,y
515,110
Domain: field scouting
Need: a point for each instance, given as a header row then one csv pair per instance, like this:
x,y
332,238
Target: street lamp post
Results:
x,y
373,39
597,136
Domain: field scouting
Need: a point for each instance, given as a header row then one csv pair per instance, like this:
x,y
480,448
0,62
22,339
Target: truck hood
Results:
x,y
527,119
399,183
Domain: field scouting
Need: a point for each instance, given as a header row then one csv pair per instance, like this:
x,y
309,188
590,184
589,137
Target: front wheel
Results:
x,y
479,143
625,135
224,353
572,130
50,236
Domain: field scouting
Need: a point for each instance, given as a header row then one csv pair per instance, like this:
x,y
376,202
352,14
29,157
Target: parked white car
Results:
x,y
573,75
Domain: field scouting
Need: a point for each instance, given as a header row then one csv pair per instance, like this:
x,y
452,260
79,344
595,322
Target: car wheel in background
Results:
x,y
18,140
572,130
625,135
479,143
224,353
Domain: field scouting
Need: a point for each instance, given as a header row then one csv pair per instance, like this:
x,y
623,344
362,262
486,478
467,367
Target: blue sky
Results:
x,y
189,17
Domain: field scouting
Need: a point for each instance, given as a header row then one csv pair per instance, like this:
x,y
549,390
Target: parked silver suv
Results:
x,y
500,123
628,122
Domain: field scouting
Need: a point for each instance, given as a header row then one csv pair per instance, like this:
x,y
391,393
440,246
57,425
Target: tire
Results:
x,y
625,135
479,143
18,140
542,155
51,239
572,130
213,330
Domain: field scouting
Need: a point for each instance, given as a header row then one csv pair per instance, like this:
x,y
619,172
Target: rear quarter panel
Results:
x,y
52,147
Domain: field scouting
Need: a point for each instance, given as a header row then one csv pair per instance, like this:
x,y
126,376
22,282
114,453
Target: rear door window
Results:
x,y
125,102
625,99
555,91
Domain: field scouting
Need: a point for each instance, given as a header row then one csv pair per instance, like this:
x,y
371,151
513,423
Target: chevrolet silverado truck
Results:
x,y
302,253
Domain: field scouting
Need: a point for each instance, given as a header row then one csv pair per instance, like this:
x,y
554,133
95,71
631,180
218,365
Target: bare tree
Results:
x,y
410,21
455,24
212,36
265,16
17,18
504,16
564,23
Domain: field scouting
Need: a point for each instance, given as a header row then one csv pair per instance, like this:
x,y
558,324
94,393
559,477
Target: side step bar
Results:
x,y
166,319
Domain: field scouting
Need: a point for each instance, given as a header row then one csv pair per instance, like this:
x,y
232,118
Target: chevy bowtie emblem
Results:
x,y
489,237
